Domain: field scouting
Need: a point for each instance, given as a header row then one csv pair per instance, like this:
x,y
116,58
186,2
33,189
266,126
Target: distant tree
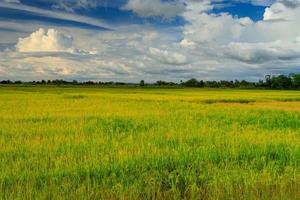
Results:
x,y
268,80
6,82
159,83
212,84
226,84
246,84
296,80
164,83
119,83
74,82
260,83
192,83
18,82
142,83
281,82
201,83
236,83
89,83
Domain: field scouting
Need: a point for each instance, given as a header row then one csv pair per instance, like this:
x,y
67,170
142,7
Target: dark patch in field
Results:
x,y
288,100
75,96
36,120
241,101
141,100
113,126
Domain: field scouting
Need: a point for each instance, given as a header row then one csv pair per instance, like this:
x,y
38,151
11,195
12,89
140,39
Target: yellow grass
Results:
x,y
121,143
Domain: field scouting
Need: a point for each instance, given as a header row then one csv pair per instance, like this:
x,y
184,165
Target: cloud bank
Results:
x,y
155,8
206,46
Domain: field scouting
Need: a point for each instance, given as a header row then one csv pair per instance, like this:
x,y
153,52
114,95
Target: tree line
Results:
x,y
291,81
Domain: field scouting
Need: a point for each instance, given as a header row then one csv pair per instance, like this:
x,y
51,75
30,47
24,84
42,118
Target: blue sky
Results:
x,y
113,12
255,12
129,40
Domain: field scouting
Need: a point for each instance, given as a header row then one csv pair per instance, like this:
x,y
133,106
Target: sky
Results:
x,y
132,40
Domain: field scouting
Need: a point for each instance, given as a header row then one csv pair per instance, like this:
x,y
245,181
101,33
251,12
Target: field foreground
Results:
x,y
110,143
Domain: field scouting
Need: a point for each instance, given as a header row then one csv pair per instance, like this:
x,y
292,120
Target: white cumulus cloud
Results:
x,y
45,41
283,10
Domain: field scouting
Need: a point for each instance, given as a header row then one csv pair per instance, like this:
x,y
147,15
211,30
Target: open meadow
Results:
x,y
135,143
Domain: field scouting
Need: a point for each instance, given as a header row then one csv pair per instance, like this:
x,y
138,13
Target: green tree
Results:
x,y
142,83
268,80
192,83
281,82
296,80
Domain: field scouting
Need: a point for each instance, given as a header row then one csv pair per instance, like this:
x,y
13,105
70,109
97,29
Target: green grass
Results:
x,y
118,143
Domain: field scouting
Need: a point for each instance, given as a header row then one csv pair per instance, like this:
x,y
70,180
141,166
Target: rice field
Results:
x,y
133,143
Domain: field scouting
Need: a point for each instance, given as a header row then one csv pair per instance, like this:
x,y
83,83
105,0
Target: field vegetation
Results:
x,y
135,143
